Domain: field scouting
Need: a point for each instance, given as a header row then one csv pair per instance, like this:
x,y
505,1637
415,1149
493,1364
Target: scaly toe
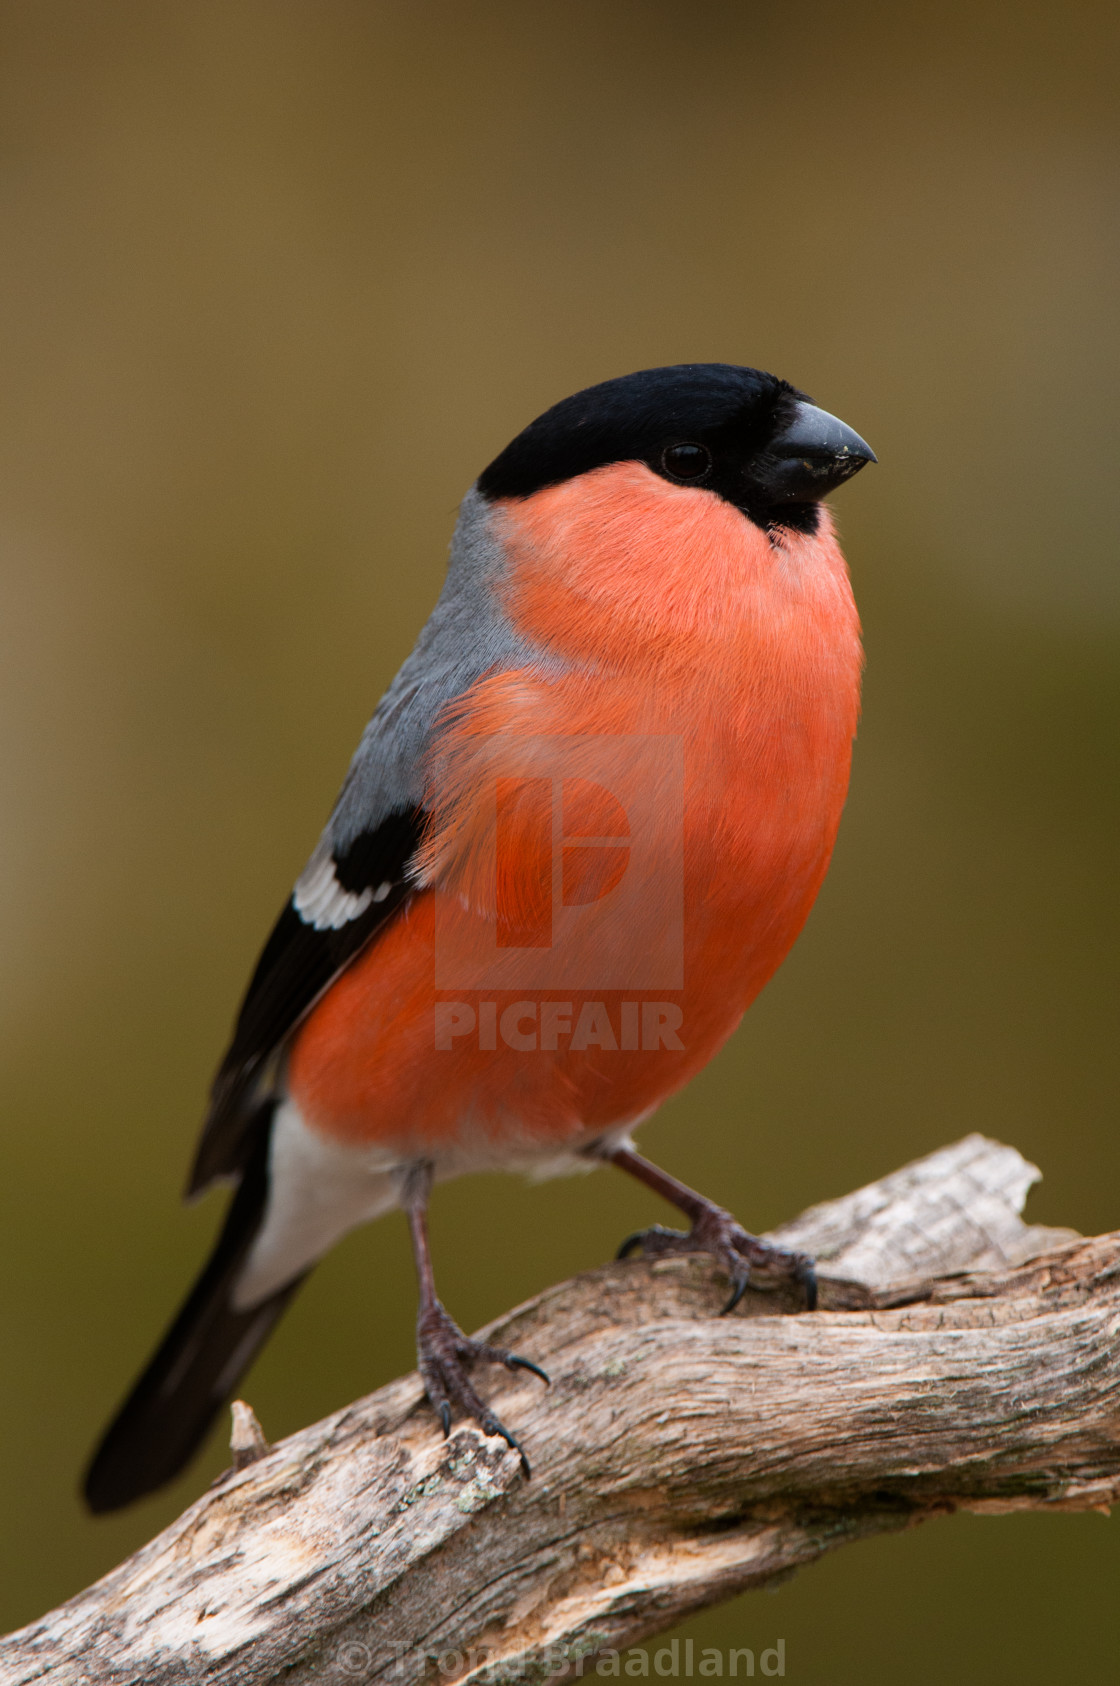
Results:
x,y
743,1256
446,1357
478,1351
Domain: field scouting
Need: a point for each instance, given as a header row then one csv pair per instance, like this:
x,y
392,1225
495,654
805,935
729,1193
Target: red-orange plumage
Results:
x,y
659,610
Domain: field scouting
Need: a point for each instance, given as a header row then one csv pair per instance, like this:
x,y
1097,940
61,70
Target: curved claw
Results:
x,y
513,1362
491,1425
740,1282
515,1445
654,1232
474,1354
445,1417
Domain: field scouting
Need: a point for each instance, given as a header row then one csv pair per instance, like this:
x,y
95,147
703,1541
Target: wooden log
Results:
x,y
960,1359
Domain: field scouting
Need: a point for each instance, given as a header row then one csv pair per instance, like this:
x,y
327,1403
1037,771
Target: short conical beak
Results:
x,y
812,456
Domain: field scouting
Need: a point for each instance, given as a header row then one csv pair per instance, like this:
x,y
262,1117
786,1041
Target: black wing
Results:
x,y
353,894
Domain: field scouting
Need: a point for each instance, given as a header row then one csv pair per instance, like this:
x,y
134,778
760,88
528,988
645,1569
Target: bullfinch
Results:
x,y
582,829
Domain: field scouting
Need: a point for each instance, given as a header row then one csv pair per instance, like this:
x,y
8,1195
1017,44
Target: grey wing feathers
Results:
x,y
358,876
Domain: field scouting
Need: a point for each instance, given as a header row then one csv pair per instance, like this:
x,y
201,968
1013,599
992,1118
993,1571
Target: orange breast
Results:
x,y
697,705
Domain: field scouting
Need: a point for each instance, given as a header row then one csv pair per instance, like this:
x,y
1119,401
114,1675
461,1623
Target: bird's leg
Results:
x,y
445,1354
713,1231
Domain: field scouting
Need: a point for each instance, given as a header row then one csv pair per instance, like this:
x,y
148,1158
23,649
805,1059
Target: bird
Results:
x,y
582,829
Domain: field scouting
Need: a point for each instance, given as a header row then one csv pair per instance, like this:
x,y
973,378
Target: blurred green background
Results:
x,y
277,279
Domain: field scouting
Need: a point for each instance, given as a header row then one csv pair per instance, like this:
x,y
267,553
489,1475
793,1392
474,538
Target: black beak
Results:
x,y
812,456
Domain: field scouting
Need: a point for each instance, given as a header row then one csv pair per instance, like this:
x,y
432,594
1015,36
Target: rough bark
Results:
x,y
960,1360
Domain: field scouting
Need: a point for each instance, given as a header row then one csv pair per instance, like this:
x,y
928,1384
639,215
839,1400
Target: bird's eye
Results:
x,y
686,462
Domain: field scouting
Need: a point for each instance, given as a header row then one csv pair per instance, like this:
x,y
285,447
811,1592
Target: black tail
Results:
x,y
199,1362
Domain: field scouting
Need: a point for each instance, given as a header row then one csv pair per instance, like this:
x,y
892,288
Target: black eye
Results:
x,y
686,462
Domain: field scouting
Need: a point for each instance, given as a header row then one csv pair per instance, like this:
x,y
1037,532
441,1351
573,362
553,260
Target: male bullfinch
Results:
x,y
582,829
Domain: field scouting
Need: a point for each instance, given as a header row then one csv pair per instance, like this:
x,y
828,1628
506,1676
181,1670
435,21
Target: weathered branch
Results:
x,y
959,1360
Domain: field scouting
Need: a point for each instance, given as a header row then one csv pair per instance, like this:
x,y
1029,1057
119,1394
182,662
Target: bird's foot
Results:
x,y
744,1257
446,1356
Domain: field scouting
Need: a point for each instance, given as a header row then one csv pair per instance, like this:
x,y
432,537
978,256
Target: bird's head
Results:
x,y
753,440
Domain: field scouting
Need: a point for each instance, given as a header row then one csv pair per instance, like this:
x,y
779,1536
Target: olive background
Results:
x,y
277,280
